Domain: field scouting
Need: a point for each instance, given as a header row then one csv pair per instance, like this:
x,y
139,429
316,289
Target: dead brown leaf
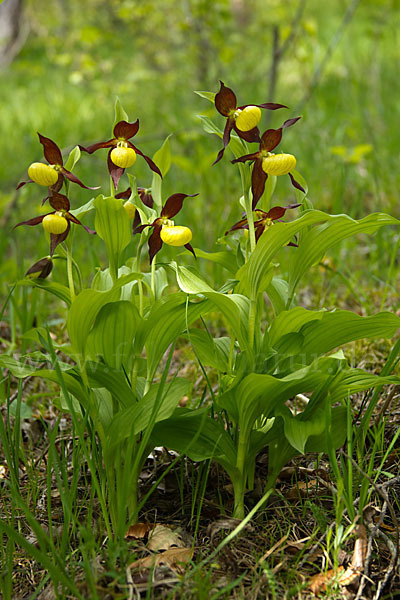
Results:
x,y
319,582
163,537
174,558
138,531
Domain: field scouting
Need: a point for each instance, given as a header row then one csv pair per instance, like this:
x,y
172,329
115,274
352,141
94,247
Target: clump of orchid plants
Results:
x,y
122,324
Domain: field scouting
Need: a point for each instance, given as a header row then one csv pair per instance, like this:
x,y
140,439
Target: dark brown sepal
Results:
x,y
151,164
225,100
23,183
75,179
290,122
270,139
145,197
115,172
59,202
126,130
253,135
141,228
155,242
32,222
219,156
72,218
252,156
271,105
51,151
259,230
242,224
275,213
125,195
258,179
190,248
57,238
93,147
296,184
41,269
174,204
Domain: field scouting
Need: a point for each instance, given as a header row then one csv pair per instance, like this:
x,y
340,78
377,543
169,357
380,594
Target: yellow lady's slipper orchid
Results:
x,y
58,222
165,230
123,156
177,235
119,156
55,223
278,164
248,118
266,163
43,174
242,119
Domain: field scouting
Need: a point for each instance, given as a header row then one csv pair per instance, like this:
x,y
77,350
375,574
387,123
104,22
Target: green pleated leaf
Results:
x,y
340,327
120,114
277,291
319,332
166,321
224,258
139,416
113,225
193,433
210,352
189,282
113,332
73,158
234,307
298,428
337,433
207,95
103,376
261,394
84,209
323,231
85,307
322,237
162,157
57,289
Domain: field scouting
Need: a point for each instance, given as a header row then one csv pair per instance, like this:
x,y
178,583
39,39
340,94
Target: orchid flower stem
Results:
x,y
252,319
70,274
240,483
112,188
250,221
153,277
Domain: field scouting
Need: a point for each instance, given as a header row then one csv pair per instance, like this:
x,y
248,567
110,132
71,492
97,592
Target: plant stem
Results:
x,y
250,220
252,319
153,277
70,274
239,484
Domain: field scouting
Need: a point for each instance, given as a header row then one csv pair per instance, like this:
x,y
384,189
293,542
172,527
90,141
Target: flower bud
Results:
x,y
178,235
55,223
130,209
43,174
278,164
123,157
41,269
248,118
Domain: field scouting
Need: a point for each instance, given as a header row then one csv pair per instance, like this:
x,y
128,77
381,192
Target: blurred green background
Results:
x,y
335,63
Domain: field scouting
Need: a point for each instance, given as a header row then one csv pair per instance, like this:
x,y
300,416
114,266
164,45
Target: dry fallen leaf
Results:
x,y
162,538
320,581
138,531
174,558
344,577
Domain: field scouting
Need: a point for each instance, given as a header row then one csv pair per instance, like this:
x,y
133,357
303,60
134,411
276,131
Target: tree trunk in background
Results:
x,y
12,32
